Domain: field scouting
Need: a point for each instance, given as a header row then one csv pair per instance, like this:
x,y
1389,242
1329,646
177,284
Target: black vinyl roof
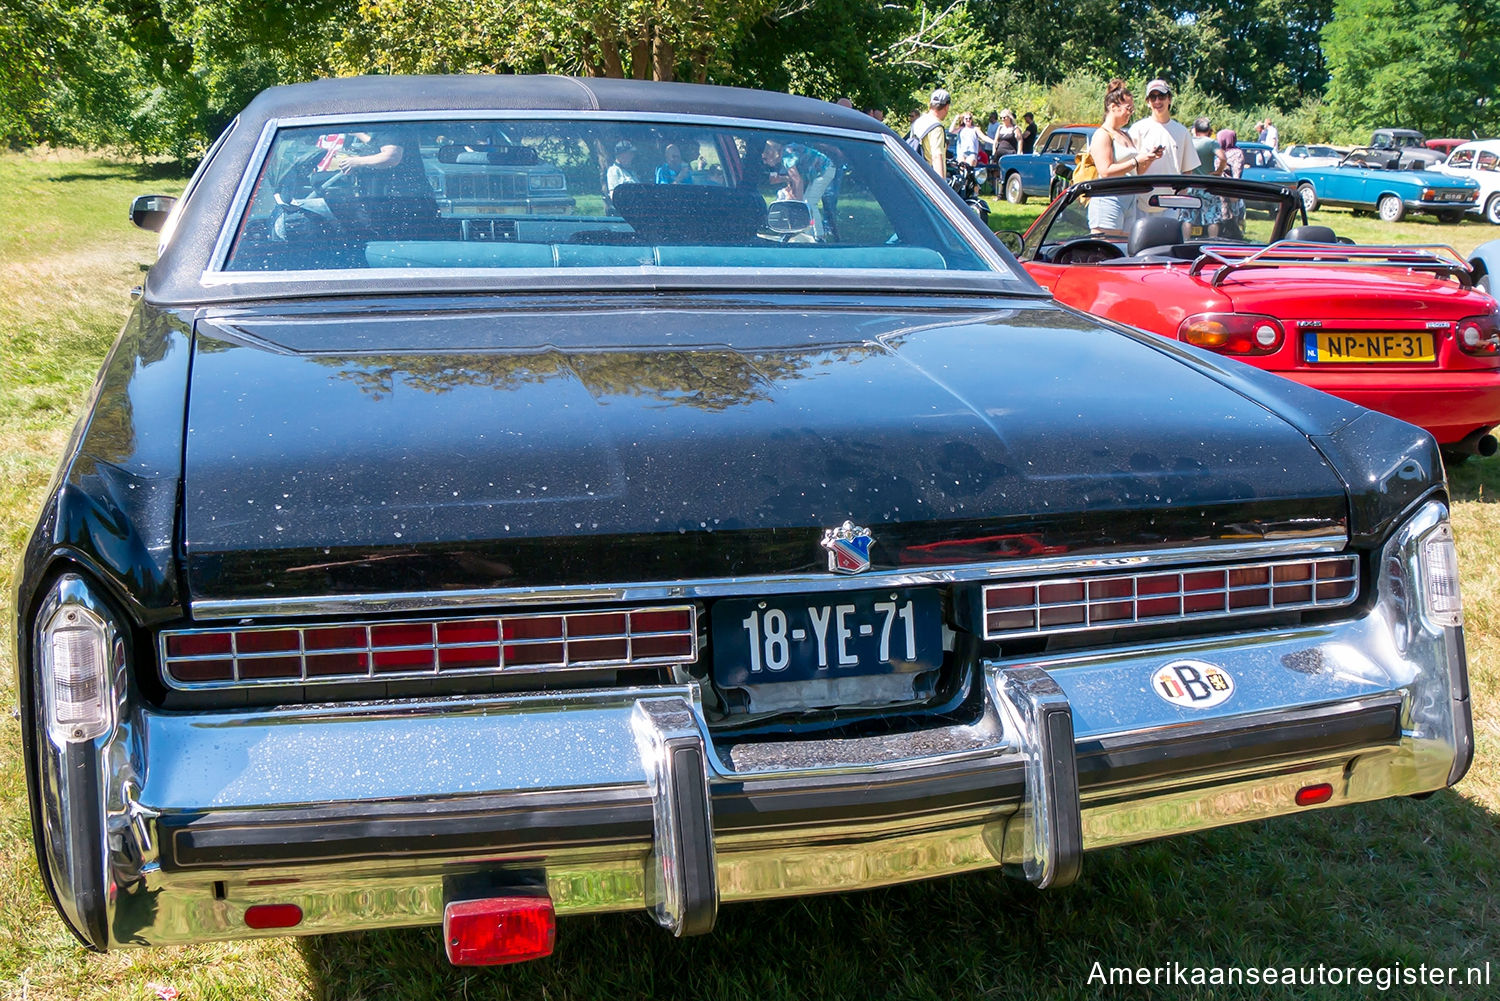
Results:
x,y
475,92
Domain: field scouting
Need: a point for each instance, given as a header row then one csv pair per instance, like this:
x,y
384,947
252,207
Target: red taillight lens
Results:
x,y
1313,795
1233,333
1479,335
273,916
498,930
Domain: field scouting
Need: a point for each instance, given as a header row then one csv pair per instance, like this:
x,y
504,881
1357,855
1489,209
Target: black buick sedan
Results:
x,y
730,517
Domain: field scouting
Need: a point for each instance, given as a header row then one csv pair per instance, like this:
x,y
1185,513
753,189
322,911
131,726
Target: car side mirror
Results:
x,y
788,217
1011,240
151,211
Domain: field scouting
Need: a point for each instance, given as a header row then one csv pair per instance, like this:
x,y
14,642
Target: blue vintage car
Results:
x,y
1363,181
1045,172
1262,164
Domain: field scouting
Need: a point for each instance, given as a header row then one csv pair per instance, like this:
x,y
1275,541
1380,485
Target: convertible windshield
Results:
x,y
533,193
1161,214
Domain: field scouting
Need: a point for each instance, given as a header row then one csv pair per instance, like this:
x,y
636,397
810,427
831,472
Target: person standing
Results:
x,y
1007,136
806,174
1159,130
1028,133
620,171
929,137
1115,154
1207,147
1272,136
970,139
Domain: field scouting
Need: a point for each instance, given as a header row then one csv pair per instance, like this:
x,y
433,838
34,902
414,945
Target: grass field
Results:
x,y
1389,883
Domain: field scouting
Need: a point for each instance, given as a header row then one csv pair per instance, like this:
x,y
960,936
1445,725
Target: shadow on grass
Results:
x,y
125,172
1372,886
1475,480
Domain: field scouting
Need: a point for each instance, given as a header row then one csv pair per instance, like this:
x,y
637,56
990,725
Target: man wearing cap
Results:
x,y
1158,129
930,135
619,172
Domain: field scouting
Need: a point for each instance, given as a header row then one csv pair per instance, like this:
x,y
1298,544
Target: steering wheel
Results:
x,y
1086,250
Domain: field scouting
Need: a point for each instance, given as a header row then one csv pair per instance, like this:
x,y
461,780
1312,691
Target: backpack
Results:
x,y
915,141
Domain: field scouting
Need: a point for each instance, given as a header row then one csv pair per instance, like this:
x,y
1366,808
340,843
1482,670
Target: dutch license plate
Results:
x,y
802,638
1333,347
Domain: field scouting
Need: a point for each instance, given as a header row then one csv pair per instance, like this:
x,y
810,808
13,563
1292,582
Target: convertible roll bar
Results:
x,y
1436,258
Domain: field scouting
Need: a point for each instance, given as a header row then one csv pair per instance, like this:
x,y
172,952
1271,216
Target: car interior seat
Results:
x,y
1311,234
1156,232
691,214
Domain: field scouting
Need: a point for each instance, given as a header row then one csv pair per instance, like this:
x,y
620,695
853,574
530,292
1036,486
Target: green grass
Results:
x,y
1404,881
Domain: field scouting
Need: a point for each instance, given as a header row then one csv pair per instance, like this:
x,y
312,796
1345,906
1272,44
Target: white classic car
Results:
x,y
1481,161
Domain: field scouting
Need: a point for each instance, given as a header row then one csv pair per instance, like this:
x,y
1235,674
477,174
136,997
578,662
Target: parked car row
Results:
x,y
670,549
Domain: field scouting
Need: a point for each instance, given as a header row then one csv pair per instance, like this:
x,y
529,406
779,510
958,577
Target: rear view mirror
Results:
x,y
788,217
151,211
1177,201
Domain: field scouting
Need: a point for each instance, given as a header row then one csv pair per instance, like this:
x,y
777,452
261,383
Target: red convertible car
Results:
x,y
1224,265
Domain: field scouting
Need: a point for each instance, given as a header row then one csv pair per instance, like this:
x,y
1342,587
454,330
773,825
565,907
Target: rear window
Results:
x,y
548,194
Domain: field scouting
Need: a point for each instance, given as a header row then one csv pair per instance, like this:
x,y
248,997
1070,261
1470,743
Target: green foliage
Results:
x,y
165,76
1424,64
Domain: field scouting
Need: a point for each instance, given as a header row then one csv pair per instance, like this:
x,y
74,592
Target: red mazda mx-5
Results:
x,y
1224,265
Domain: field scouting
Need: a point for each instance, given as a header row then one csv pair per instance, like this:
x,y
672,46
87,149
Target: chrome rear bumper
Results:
x,y
369,816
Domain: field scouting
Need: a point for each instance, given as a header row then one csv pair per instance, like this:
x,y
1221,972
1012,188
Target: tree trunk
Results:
x,y
640,52
609,50
663,58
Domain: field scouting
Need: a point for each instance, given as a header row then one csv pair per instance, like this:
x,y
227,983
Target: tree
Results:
x,y
644,39
1425,64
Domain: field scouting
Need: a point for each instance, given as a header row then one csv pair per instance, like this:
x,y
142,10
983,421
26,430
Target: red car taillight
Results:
x,y
1232,333
1479,335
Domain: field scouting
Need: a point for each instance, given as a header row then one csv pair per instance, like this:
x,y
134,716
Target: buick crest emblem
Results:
x,y
848,548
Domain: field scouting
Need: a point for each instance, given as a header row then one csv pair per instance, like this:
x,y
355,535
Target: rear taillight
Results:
x,y
1232,333
498,930
1479,335
76,651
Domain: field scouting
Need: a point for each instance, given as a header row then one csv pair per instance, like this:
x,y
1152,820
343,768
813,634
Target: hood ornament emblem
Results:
x,y
848,548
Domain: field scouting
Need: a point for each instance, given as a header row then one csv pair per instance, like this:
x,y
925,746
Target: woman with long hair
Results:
x,y
1115,155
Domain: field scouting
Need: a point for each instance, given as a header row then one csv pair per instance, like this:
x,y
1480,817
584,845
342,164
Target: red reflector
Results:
x,y
273,916
1313,795
498,930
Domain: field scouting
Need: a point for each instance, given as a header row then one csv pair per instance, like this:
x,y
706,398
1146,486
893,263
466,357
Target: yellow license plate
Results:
x,y
1324,347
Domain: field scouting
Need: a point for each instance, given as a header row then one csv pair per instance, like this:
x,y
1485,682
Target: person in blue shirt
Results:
x,y
676,170
805,175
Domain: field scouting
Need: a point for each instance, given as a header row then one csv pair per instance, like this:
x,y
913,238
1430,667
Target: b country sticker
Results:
x,y
1192,684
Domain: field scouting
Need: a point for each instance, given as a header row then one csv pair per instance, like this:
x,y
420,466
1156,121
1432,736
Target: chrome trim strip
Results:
x,y
215,275
415,601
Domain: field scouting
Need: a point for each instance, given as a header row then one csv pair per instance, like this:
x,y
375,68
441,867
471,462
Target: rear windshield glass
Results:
x,y
527,194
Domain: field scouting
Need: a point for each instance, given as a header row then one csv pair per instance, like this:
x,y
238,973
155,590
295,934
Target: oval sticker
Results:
x,y
1192,684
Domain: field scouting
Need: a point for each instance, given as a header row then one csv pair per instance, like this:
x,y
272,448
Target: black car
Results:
x,y
718,541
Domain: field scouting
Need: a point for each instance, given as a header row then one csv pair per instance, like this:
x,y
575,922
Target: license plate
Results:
x,y
1327,347
807,638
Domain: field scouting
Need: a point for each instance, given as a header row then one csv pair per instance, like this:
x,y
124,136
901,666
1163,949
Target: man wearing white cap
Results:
x,y
930,135
1159,129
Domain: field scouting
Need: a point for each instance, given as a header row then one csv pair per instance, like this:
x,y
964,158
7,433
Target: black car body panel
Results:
x,y
522,432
